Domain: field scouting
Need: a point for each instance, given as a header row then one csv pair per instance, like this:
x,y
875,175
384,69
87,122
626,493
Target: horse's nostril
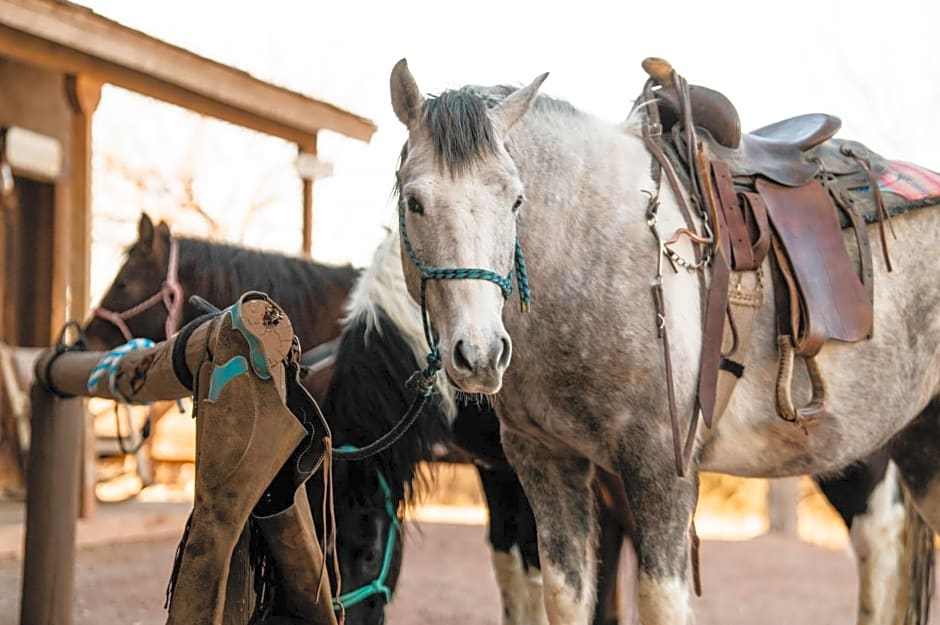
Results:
x,y
460,359
505,354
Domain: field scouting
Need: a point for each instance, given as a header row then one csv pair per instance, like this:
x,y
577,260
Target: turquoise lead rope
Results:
x,y
426,386
377,586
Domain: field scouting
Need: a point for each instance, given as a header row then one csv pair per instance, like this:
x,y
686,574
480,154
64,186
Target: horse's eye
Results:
x,y
414,205
517,204
120,285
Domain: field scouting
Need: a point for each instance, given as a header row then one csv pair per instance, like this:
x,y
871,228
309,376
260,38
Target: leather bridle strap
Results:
x,y
170,294
683,451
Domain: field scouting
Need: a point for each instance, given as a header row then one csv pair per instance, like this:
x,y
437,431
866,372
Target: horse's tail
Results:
x,y
916,591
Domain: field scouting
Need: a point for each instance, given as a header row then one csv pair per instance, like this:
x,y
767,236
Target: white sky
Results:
x,y
873,65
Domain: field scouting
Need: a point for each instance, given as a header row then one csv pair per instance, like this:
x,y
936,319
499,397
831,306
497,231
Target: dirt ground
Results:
x,y
447,580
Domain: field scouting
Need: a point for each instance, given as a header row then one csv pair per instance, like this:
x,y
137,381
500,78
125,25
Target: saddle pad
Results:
x,y
910,181
904,187
832,300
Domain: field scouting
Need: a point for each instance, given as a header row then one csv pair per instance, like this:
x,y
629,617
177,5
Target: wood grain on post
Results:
x,y
145,375
51,509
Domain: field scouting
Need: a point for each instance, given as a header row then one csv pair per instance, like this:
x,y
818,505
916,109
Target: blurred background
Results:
x,y
873,66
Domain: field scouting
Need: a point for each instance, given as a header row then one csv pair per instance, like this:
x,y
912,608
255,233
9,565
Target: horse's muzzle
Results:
x,y
475,364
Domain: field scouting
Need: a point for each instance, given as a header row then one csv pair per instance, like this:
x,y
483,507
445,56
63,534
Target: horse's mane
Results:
x,y
380,291
460,128
367,395
381,348
231,270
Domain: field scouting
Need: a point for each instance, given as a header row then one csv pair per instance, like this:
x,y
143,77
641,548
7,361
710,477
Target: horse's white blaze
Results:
x,y
664,601
876,538
510,577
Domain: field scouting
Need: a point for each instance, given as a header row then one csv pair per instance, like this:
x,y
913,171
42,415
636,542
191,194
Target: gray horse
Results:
x,y
485,166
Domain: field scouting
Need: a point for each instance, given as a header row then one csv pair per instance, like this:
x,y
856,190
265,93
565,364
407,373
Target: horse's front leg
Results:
x,y
663,505
559,491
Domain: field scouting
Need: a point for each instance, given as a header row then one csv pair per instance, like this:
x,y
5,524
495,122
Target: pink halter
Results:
x,y
171,294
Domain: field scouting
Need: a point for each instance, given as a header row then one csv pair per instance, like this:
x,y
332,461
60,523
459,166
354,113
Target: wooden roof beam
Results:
x,y
75,40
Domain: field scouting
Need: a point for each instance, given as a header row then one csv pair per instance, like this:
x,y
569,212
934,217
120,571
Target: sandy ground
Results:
x,y
447,579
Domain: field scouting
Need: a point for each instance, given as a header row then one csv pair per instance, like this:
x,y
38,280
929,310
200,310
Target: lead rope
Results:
x,y
329,537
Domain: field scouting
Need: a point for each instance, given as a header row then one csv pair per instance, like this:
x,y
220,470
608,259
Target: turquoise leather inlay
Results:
x,y
259,361
224,374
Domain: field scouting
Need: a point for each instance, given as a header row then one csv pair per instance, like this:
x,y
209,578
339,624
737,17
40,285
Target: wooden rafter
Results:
x,y
75,40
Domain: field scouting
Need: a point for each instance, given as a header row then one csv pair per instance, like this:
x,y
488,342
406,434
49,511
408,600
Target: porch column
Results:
x,y
73,237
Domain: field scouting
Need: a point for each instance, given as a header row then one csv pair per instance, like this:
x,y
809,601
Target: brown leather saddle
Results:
x,y
773,191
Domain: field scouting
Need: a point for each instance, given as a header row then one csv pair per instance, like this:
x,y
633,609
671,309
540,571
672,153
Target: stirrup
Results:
x,y
816,408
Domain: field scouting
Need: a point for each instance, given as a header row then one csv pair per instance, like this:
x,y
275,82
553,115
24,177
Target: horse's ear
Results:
x,y
516,105
163,231
406,98
145,231
161,242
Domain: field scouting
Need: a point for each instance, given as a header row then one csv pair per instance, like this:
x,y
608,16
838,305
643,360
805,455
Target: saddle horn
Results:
x,y
710,109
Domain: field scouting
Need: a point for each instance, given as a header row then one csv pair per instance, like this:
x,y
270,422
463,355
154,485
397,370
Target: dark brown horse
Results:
x,y
149,296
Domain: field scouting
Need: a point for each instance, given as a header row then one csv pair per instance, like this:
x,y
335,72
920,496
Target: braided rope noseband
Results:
x,y
429,272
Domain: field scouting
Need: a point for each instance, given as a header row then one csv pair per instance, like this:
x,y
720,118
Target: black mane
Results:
x,y
366,397
303,288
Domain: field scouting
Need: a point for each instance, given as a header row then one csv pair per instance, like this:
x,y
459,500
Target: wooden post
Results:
x,y
51,509
83,94
307,246
12,475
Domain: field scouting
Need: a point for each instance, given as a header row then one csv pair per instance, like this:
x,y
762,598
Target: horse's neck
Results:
x,y
204,281
579,158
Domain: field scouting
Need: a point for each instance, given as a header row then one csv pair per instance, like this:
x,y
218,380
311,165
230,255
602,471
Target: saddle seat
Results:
x,y
778,151
801,133
775,151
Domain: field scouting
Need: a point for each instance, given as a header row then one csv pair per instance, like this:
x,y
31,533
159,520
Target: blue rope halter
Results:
x,y
429,272
377,586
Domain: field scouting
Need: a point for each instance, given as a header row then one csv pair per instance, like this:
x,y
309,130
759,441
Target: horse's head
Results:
x,y
460,194
139,301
